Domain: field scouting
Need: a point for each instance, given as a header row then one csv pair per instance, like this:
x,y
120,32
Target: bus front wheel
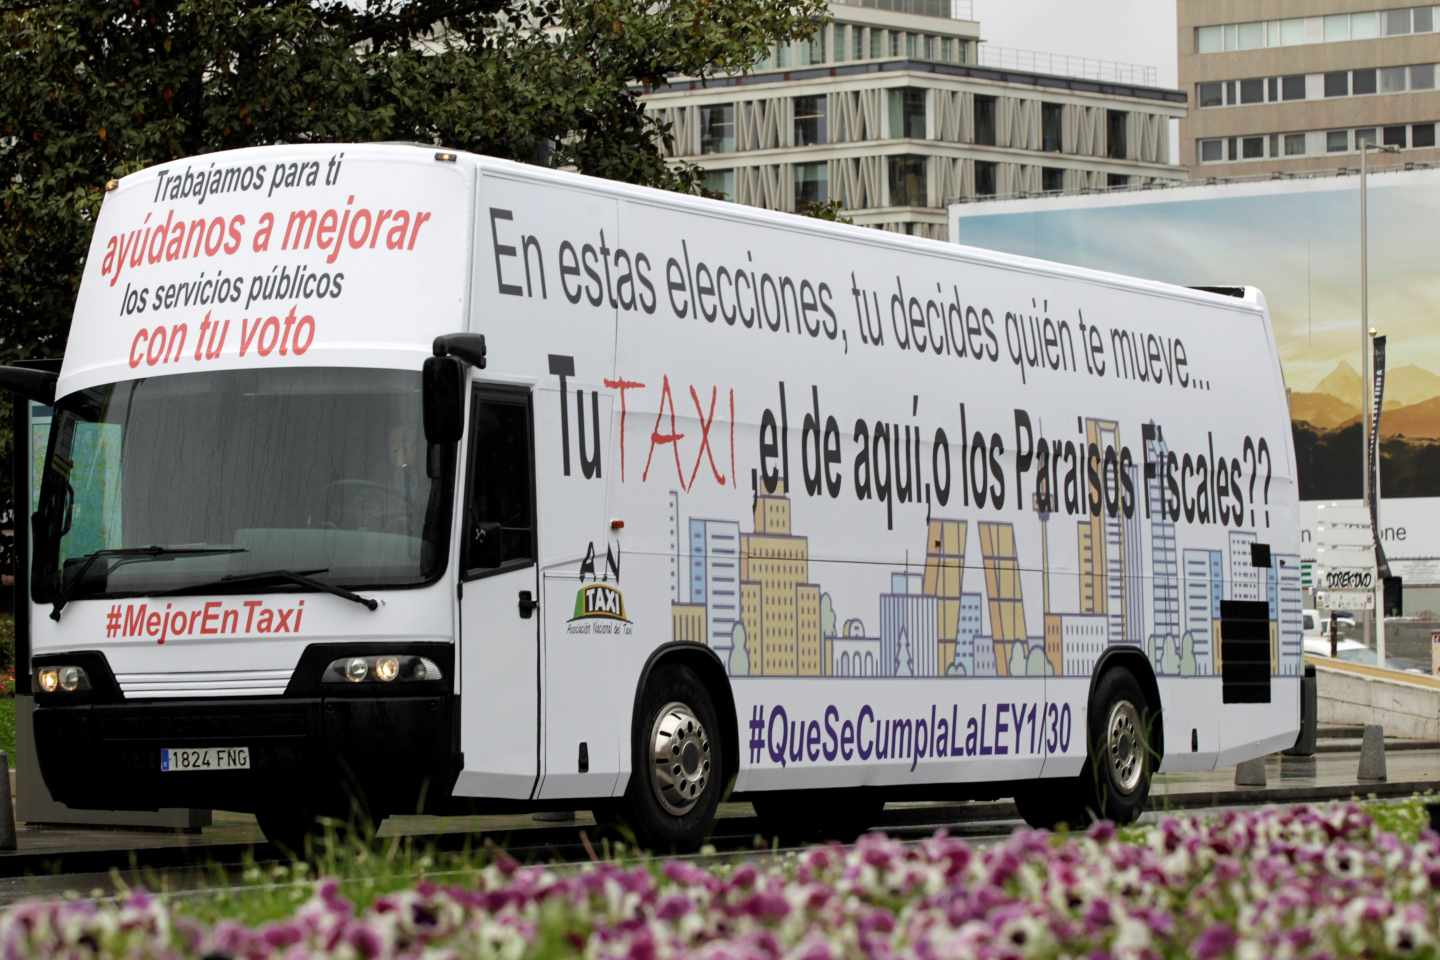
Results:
x,y
677,768
1114,783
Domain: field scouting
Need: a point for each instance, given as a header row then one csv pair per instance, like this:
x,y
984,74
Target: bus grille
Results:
x,y
204,683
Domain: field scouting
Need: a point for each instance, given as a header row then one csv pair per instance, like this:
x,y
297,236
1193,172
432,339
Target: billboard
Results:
x,y
1298,240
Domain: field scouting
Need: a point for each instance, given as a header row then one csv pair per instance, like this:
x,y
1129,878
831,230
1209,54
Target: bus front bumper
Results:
x,y
303,753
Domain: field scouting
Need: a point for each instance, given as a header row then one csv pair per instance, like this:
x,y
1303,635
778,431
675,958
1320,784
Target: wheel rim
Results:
x,y
680,752
1125,746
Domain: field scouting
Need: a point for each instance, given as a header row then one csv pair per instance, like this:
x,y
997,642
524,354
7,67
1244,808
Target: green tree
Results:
x,y
828,210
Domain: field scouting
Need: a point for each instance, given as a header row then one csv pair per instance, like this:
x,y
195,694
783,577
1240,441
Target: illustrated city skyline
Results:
x,y
752,596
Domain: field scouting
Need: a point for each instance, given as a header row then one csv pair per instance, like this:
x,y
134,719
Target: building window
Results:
x,y
907,181
1117,181
947,49
877,43
811,184
1252,148
1364,138
1337,27
907,114
1396,22
1362,82
857,43
1292,32
1422,76
985,121
1052,179
985,177
1209,39
1251,35
1051,121
814,50
1364,26
1392,79
1337,84
721,183
1424,19
1292,87
810,120
717,128
1212,151
1394,136
1252,91
1294,144
1211,95
1337,141
1116,122
1422,135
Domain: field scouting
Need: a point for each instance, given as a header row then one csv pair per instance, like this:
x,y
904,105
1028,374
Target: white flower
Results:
x,y
1344,861
1405,934
1026,934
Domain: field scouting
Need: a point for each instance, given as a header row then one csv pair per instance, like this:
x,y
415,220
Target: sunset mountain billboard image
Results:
x,y
1298,240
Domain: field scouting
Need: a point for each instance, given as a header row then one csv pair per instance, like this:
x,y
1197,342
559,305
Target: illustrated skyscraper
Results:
x,y
944,577
1164,571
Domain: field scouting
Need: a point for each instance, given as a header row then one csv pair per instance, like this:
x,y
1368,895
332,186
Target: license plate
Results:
x,y
175,759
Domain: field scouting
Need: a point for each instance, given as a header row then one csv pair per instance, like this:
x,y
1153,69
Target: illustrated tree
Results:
x,y
827,616
739,657
94,89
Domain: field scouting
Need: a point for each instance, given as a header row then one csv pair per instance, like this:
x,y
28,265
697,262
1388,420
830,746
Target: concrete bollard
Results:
x,y
1309,717
7,816
1372,753
1251,773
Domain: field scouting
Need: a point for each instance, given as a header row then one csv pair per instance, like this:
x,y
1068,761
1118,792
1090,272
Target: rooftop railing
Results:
x,y
955,9
1065,65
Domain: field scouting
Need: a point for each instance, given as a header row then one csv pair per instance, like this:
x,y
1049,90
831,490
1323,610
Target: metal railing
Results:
x,y
1065,65
1193,181
955,9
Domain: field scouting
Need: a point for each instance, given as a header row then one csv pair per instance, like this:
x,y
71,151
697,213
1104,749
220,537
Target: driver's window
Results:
x,y
500,500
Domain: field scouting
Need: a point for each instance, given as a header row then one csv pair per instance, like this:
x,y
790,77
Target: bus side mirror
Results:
x,y
443,386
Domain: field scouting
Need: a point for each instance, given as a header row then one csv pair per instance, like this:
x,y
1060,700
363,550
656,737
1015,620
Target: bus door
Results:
x,y
499,590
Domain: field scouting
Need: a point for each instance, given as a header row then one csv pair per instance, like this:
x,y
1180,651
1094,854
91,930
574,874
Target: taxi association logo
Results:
x,y
600,601
599,604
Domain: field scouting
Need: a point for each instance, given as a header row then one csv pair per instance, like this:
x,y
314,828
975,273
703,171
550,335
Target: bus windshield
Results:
x,y
224,475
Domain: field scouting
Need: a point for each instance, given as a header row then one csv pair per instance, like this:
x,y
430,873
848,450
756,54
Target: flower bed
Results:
x,y
1274,883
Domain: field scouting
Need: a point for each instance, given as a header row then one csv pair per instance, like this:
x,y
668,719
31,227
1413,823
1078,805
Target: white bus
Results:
x,y
385,475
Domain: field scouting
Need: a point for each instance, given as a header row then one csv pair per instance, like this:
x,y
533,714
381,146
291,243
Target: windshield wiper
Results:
x,y
129,554
302,577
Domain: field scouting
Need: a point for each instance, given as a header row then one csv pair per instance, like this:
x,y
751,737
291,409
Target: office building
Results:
x,y
896,108
1298,86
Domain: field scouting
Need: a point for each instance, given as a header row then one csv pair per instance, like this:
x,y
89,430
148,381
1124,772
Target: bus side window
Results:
x,y
500,501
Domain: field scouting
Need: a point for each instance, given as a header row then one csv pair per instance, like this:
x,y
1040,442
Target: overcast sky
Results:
x,y
1132,31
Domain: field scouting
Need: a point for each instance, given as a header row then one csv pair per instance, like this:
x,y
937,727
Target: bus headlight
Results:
x,y
383,668
62,679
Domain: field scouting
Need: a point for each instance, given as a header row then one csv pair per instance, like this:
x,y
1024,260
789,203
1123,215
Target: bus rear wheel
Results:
x,y
677,770
1114,783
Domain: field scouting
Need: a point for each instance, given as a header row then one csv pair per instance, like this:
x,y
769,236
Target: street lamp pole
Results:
x,y
1367,389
